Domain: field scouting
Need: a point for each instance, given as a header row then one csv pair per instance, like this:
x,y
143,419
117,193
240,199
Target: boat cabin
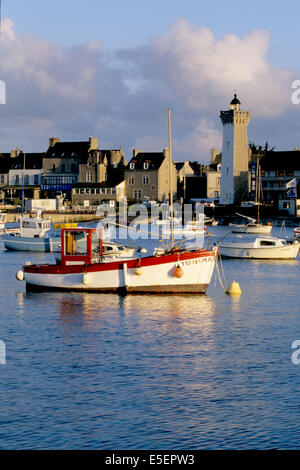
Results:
x,y
34,227
81,246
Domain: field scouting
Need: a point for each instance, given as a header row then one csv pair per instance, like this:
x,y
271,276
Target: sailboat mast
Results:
x,y
171,177
258,194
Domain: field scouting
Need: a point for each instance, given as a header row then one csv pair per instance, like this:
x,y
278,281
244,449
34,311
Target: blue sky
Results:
x,y
111,69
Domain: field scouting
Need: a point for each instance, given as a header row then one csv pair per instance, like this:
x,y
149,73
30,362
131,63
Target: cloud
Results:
x,y
203,72
122,97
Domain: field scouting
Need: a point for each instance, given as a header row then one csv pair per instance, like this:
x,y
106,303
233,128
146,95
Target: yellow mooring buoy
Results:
x,y
234,288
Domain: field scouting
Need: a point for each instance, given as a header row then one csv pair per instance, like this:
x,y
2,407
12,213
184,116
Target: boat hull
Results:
x,y
263,229
285,252
16,243
154,274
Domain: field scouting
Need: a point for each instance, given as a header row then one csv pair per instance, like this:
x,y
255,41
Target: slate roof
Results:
x,y
32,161
154,159
281,160
78,150
5,162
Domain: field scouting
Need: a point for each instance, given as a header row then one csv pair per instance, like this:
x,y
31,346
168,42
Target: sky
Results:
x,y
111,70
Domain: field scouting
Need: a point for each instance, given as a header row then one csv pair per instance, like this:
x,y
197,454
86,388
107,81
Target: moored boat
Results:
x,y
251,227
261,247
83,267
33,235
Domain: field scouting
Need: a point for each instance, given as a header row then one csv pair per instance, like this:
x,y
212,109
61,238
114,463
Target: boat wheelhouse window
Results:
x,y
75,243
28,224
96,248
267,243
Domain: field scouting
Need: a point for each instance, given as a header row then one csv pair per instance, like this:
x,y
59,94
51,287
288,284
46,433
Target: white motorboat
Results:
x,y
251,227
262,247
83,267
33,235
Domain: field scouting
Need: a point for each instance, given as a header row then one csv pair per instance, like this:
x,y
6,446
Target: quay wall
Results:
x,y
56,217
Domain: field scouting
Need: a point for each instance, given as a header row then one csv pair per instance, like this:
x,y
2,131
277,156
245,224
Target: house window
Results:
x,y
131,166
98,191
113,191
87,191
146,165
131,180
153,187
81,191
92,191
17,179
88,176
53,167
145,179
2,179
138,194
26,179
36,179
63,168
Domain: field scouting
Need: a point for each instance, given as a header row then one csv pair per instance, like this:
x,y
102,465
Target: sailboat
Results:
x,y
253,225
83,266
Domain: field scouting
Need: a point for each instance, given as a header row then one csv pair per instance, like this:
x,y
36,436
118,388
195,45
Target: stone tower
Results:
x,y
234,174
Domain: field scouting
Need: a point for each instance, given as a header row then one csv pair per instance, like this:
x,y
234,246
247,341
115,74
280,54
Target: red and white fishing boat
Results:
x,y
83,267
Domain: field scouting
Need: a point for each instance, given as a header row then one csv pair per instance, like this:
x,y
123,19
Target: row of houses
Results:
x,y
87,175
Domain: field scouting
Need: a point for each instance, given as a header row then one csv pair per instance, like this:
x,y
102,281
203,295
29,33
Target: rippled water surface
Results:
x,y
103,371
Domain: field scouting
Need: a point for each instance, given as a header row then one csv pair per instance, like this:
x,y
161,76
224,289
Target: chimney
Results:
x,y
93,143
135,152
213,154
53,140
15,152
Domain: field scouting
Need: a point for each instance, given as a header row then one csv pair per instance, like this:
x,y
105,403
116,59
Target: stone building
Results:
x,y
147,176
235,155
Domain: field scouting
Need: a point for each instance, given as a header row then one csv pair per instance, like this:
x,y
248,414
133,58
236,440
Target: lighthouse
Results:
x,y
234,173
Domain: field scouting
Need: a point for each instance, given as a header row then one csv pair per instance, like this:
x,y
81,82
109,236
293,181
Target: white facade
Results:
x,y
26,177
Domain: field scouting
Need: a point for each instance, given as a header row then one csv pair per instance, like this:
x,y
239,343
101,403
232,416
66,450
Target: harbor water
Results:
x,y
105,371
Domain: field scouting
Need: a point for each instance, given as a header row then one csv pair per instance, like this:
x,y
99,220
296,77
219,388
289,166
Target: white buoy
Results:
x,y
234,288
138,271
20,275
85,279
143,250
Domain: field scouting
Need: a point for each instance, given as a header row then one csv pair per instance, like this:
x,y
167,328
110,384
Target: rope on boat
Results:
x,y
218,272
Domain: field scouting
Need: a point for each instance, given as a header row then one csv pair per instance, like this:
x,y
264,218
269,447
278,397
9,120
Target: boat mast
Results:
x,y
171,178
258,194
